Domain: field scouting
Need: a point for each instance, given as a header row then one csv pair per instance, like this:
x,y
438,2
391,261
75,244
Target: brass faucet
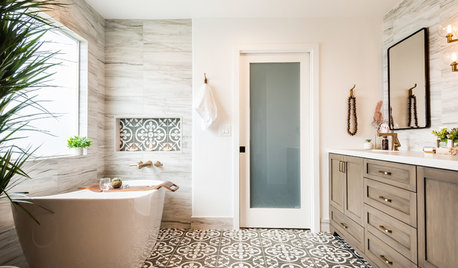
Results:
x,y
395,143
149,163
141,165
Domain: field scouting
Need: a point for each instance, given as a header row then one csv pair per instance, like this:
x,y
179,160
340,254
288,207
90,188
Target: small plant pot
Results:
x,y
450,143
77,151
367,145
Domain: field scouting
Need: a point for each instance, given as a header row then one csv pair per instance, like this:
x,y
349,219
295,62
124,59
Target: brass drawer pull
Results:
x,y
385,199
385,172
342,166
386,260
385,230
344,225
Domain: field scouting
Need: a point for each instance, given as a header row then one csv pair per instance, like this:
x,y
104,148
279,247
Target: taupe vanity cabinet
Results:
x,y
437,218
346,196
395,214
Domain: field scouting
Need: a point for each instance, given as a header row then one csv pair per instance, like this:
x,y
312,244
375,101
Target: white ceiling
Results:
x,y
177,9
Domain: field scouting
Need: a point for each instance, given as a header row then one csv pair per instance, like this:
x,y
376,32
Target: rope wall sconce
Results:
x,y
351,114
412,108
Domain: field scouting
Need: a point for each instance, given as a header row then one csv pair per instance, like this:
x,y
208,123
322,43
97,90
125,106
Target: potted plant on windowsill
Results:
x,y
79,145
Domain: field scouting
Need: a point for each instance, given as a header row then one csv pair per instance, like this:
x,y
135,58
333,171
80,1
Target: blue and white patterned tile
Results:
x,y
150,134
254,248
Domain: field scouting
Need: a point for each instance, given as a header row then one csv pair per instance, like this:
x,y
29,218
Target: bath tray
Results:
x,y
167,185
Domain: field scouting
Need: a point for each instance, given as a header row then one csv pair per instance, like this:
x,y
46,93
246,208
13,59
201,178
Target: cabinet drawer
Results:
x,y
350,230
399,203
383,255
400,236
400,175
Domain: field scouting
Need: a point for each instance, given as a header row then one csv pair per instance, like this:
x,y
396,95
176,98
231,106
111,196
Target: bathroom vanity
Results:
x,y
397,209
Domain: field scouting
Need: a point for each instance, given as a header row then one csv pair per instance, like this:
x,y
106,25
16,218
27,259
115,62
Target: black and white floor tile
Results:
x,y
251,248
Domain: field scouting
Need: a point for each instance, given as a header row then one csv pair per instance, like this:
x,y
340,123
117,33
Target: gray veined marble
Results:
x,y
148,72
408,17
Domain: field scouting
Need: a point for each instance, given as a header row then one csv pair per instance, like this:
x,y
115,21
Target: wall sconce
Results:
x,y
454,64
450,35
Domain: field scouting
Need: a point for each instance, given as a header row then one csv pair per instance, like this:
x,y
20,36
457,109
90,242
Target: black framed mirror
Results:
x,y
408,82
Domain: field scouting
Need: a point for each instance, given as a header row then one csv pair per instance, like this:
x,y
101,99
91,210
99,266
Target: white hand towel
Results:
x,y
205,106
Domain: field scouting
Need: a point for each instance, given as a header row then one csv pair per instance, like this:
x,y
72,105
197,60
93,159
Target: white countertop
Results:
x,y
406,157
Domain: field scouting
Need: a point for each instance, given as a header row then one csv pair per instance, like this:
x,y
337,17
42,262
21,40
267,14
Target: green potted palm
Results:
x,y
23,70
79,145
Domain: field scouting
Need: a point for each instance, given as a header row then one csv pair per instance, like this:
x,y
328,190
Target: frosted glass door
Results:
x,y
275,135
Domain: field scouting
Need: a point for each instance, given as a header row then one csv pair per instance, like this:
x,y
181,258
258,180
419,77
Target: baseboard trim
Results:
x,y
175,225
325,226
216,223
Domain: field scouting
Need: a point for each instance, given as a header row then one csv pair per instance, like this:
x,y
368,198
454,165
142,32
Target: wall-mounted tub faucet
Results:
x,y
149,163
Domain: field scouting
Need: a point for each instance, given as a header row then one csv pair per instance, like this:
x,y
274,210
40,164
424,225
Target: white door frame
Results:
x,y
312,177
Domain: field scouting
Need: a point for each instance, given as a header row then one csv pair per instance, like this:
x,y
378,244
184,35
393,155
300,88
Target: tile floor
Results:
x,y
250,248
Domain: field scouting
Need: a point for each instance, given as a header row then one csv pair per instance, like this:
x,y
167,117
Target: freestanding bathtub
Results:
x,y
91,230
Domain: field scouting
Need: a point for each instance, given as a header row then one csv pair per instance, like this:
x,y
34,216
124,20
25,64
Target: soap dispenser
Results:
x,y
385,143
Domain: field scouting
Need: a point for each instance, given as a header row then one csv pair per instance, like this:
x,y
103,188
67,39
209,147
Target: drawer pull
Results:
x,y
385,199
387,173
385,230
386,260
344,225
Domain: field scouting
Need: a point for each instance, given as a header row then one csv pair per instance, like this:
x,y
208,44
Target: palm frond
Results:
x,y
24,69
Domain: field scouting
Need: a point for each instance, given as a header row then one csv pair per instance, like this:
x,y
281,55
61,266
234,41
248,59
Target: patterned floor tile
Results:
x,y
251,248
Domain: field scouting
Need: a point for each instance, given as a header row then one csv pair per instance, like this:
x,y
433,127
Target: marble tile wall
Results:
x,y
408,17
148,72
65,174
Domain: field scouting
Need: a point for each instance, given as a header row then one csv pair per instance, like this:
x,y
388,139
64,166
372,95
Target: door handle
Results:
x,y
344,225
343,167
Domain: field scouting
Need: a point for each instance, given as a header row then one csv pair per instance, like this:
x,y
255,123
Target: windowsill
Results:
x,y
57,157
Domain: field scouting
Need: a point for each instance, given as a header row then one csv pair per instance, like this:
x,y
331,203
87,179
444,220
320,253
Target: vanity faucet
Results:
x,y
395,143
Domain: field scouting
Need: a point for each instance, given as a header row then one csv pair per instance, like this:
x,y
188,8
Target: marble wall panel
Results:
x,y
408,17
148,72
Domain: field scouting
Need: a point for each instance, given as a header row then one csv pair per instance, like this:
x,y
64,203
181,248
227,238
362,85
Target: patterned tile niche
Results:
x,y
149,134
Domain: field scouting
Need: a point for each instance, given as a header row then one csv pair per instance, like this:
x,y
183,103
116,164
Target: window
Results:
x,y
60,97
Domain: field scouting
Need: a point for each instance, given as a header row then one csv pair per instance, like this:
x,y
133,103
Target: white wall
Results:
x,y
350,52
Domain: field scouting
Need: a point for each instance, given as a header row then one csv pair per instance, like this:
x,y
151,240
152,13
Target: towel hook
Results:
x,y
351,90
205,78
